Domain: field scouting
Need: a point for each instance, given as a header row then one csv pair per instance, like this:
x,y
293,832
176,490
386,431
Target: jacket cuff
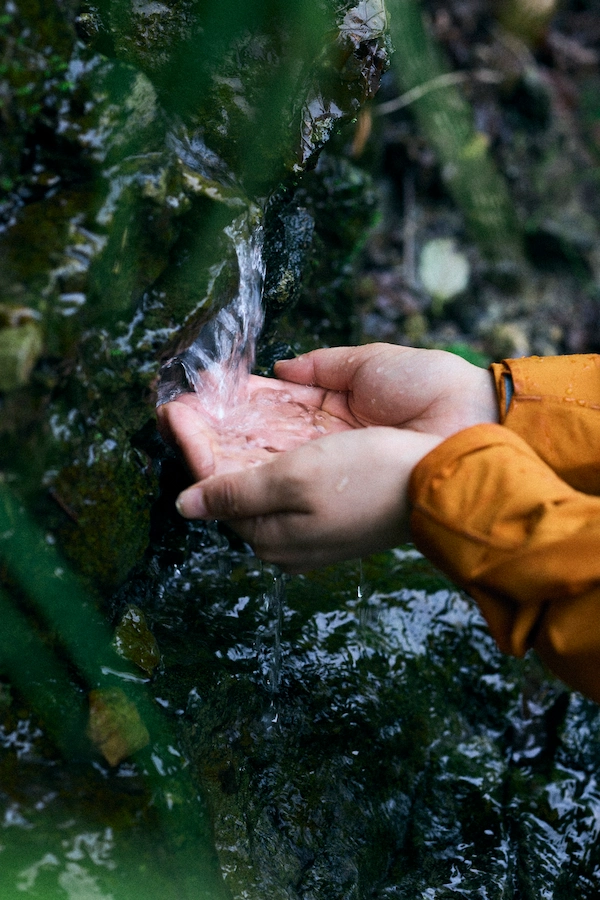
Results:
x,y
496,519
477,500
555,408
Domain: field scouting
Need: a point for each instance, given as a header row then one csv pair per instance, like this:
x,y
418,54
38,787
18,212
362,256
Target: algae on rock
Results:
x,y
137,132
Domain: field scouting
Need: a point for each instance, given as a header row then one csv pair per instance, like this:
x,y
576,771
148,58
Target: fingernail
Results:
x,y
190,504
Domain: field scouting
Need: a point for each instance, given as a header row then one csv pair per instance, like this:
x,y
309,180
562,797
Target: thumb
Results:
x,y
235,495
332,367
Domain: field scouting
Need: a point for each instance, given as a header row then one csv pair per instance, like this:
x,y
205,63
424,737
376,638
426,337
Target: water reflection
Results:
x,y
408,757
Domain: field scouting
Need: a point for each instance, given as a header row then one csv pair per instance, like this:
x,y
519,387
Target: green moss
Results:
x,y
107,503
35,45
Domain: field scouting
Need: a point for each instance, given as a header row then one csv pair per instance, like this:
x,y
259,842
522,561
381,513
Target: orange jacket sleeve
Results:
x,y
509,513
555,407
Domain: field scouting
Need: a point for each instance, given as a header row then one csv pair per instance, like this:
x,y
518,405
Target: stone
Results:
x,y
444,271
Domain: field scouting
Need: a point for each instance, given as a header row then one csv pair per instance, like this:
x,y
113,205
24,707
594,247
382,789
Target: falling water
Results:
x,y
218,363
269,646
275,598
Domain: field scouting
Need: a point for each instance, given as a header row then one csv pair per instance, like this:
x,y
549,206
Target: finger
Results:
x,y
182,424
166,413
287,541
296,542
333,368
323,368
272,536
163,422
259,491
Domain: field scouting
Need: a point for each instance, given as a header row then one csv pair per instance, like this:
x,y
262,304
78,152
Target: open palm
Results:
x,y
273,416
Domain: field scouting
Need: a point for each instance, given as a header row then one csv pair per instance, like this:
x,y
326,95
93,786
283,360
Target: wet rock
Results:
x,y
341,200
378,764
291,230
90,253
375,743
120,115
119,181
219,72
105,495
34,53
361,56
126,159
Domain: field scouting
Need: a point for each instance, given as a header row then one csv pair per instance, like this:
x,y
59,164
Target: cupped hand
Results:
x,y
376,411
270,417
339,497
384,384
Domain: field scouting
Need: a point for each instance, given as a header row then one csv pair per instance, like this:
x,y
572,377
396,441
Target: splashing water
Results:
x,y
247,423
219,361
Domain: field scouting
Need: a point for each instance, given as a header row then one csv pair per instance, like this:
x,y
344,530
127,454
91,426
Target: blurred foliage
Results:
x,y
58,650
446,120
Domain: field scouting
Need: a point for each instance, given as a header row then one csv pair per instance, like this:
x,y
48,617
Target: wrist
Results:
x,y
487,406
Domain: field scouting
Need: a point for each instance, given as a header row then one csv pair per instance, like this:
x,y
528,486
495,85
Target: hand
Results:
x,y
340,497
383,384
345,494
273,416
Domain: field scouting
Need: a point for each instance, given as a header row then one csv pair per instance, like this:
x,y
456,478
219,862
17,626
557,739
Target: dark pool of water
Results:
x,y
350,734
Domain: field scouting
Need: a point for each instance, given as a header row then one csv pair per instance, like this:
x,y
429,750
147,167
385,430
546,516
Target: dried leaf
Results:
x,y
135,642
114,726
20,349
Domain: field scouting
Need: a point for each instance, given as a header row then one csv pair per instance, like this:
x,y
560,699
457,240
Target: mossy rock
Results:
x,y
106,501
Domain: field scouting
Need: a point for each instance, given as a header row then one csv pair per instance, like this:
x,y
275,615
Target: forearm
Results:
x,y
522,542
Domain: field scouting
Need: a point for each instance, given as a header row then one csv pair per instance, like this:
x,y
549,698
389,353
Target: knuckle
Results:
x,y
221,498
264,540
270,540
296,492
292,491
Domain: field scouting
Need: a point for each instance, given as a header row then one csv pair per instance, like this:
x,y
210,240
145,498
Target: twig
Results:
x,y
410,229
446,79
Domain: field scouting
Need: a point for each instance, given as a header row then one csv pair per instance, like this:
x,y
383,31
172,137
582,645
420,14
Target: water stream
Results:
x,y
217,364
274,604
